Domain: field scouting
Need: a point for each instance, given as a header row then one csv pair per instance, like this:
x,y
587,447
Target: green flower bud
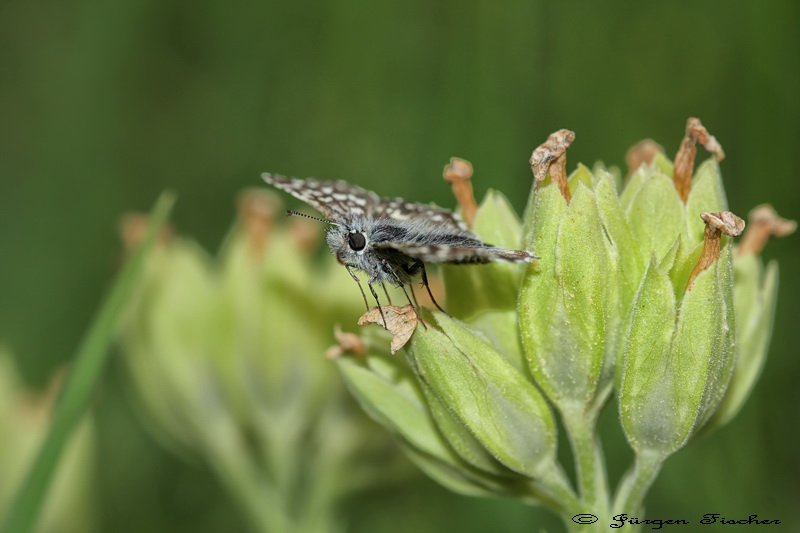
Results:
x,y
487,395
625,249
469,448
656,215
677,359
396,402
581,175
570,301
24,421
433,438
640,175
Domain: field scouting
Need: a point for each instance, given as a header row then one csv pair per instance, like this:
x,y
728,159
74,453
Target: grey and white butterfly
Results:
x,y
390,239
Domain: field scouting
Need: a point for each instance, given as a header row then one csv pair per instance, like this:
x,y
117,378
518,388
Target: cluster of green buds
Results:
x,y
639,294
24,421
225,355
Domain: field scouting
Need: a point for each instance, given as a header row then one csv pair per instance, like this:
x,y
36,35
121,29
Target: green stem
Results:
x,y
554,490
258,499
325,471
82,380
637,481
589,462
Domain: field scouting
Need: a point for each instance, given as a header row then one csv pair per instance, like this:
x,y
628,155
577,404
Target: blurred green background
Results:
x,y
105,104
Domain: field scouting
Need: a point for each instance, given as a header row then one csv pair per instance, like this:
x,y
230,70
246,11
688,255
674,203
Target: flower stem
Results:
x,y
554,490
637,481
261,503
589,463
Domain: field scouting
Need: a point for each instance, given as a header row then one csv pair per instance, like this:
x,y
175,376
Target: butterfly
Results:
x,y
390,239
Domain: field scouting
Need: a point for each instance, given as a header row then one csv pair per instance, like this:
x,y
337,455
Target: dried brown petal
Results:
x,y
642,153
551,157
684,160
716,224
764,223
348,343
400,322
458,173
133,228
305,232
726,222
258,210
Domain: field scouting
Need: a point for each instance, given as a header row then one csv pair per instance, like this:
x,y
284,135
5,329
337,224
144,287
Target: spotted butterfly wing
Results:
x,y
334,199
388,238
446,238
399,209
466,253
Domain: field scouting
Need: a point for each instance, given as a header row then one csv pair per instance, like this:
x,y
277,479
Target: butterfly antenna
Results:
x,y
289,213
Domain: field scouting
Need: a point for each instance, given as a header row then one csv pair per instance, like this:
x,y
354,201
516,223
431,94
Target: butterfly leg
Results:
x,y
375,295
402,286
353,275
413,295
414,305
386,292
421,266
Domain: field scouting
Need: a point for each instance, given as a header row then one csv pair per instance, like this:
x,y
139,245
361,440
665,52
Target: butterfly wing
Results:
x,y
399,209
334,199
435,235
455,253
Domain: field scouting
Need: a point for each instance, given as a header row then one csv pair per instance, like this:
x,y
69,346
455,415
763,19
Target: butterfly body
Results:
x,y
390,239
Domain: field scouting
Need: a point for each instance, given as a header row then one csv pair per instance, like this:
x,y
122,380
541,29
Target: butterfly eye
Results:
x,y
357,241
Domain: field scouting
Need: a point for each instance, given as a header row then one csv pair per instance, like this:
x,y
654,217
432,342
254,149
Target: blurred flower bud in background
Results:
x,y
24,421
226,355
755,293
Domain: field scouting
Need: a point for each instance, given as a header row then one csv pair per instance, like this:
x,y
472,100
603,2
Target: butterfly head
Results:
x,y
348,243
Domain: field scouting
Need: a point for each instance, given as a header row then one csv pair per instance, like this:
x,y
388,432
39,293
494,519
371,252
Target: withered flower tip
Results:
x,y
725,222
348,343
716,224
257,210
764,223
133,228
642,153
551,156
458,173
684,160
